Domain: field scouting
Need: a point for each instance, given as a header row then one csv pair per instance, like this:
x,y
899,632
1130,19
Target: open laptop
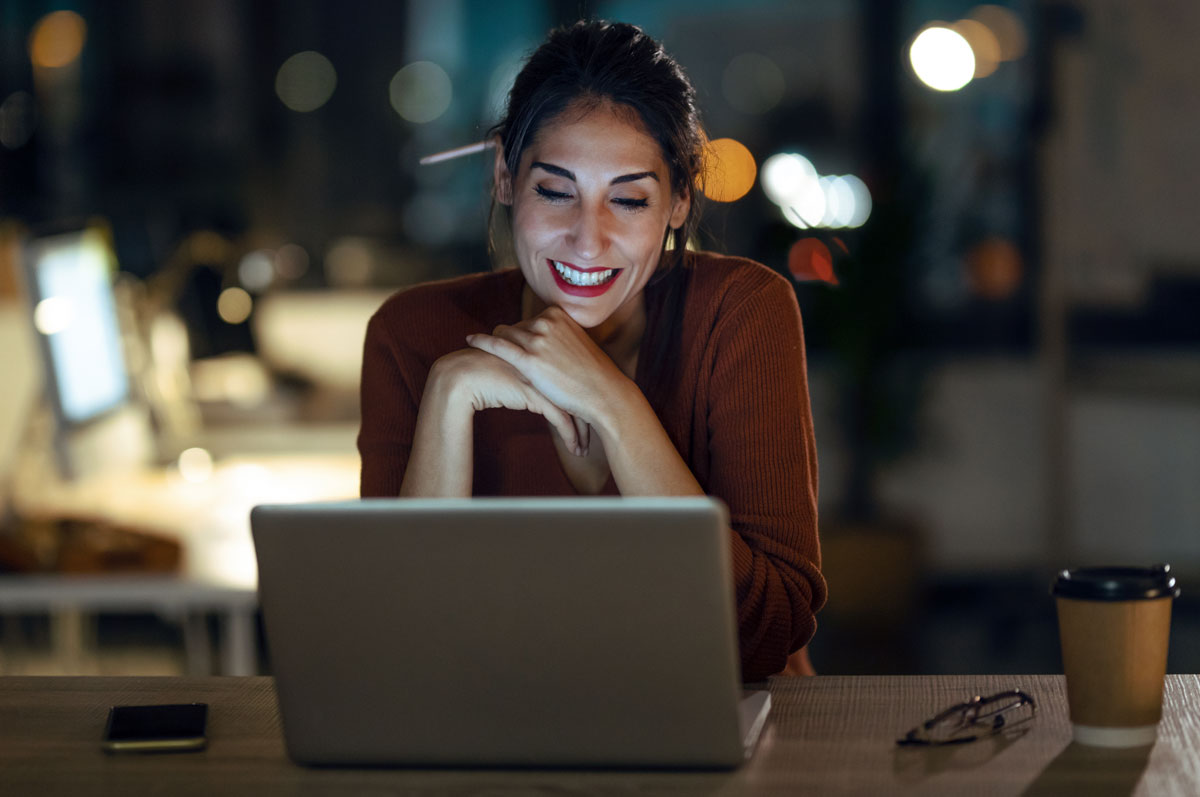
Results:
x,y
584,632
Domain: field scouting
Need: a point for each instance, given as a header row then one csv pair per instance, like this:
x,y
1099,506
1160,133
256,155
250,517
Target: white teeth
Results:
x,y
574,277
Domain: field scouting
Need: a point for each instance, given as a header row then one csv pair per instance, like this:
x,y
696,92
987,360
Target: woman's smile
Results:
x,y
578,281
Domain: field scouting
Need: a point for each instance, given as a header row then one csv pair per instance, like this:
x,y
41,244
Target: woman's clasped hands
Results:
x,y
548,365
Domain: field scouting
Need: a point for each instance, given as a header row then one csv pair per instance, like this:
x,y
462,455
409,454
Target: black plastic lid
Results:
x,y
1116,583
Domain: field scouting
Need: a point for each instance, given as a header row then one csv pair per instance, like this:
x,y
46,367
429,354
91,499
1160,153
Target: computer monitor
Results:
x,y
69,282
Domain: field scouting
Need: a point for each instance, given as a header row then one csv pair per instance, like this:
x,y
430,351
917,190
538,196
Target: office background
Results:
x,y
999,280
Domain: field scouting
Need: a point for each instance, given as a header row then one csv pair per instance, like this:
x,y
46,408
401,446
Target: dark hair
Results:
x,y
596,61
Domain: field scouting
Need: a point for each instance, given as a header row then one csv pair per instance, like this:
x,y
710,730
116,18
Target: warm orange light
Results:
x,y
1006,27
57,39
729,170
983,43
994,269
809,259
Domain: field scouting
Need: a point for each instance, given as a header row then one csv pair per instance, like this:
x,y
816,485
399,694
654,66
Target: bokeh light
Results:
x,y
791,182
57,39
291,261
729,170
349,263
753,83
862,200
808,199
207,246
942,59
839,201
306,81
421,92
1006,27
983,43
234,305
196,465
994,268
809,260
256,270
783,174
53,314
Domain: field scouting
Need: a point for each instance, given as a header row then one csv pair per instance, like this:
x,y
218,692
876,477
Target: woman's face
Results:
x,y
591,203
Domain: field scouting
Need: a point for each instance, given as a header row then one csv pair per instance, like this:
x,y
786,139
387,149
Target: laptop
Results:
x,y
512,632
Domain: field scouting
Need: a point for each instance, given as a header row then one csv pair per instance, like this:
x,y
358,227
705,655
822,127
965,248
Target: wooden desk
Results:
x,y
827,735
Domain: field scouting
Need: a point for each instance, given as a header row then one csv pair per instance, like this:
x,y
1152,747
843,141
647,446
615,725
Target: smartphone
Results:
x,y
156,729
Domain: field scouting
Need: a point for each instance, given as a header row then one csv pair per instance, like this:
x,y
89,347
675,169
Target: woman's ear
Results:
x,y
681,204
502,188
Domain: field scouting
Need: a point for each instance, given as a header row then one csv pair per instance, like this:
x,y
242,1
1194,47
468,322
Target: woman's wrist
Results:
x,y
640,453
447,388
619,409
442,452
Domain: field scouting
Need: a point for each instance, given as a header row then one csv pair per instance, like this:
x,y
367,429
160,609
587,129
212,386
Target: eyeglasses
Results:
x,y
974,719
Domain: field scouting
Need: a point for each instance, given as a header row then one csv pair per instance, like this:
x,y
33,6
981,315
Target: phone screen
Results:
x,y
156,728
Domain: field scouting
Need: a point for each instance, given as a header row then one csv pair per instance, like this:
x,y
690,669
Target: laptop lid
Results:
x,y
511,632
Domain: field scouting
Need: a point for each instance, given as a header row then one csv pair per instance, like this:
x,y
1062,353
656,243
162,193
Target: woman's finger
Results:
x,y
517,333
563,422
503,348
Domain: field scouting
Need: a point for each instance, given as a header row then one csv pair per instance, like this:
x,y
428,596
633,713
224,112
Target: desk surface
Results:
x,y
827,735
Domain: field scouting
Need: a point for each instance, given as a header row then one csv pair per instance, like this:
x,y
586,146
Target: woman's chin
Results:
x,y
586,317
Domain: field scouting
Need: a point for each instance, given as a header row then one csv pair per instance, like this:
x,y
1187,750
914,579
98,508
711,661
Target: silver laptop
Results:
x,y
586,632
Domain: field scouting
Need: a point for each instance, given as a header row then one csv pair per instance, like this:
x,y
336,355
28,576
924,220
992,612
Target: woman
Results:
x,y
655,370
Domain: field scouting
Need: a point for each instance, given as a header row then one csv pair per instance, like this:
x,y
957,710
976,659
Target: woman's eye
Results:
x,y
552,196
632,204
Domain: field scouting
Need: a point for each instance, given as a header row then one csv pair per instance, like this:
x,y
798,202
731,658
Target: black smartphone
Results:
x,y
156,729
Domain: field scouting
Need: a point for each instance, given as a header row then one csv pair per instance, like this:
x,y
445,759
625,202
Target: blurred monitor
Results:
x,y
69,281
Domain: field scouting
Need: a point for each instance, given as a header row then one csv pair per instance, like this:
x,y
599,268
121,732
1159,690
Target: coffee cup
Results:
x,y
1114,624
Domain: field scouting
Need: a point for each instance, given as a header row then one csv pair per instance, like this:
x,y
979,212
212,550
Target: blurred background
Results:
x,y
986,211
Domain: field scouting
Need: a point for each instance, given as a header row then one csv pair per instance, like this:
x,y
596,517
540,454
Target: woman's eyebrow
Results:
x,y
561,172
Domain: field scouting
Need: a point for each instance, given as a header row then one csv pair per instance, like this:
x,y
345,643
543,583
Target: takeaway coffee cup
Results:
x,y
1114,623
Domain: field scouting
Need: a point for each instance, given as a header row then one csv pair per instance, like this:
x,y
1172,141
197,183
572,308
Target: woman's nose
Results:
x,y
589,236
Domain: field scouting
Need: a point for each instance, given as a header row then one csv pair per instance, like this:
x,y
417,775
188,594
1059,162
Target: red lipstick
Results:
x,y
585,291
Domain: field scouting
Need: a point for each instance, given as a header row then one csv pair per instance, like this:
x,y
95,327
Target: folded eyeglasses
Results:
x,y
975,719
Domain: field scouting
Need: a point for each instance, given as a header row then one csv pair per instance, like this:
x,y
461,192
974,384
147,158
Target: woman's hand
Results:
x,y
554,354
486,381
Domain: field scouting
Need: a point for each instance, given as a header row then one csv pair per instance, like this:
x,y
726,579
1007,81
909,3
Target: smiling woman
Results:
x,y
655,370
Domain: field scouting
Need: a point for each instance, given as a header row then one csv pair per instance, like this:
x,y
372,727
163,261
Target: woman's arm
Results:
x,y
442,458
390,392
640,454
762,462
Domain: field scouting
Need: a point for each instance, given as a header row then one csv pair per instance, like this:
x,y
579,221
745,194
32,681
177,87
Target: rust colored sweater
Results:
x,y
737,410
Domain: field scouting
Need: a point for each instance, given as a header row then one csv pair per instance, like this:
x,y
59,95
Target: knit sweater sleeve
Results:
x,y
390,396
764,466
